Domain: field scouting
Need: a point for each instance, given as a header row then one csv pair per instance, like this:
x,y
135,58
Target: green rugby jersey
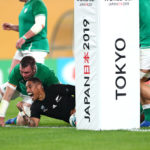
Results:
x,y
144,6
27,15
46,75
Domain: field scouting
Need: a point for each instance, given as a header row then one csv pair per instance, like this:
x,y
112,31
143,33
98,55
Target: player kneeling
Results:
x,y
56,101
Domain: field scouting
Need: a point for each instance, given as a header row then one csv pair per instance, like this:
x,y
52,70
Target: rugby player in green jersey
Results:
x,y
17,85
32,30
144,6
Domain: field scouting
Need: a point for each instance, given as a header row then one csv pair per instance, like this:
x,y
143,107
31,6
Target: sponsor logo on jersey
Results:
x,y
25,10
43,108
54,106
58,98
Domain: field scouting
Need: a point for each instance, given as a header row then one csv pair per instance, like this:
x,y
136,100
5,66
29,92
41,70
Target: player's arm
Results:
x,y
8,26
35,29
10,89
30,121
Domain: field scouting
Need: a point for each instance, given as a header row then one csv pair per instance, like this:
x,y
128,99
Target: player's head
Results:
x,y
35,89
27,67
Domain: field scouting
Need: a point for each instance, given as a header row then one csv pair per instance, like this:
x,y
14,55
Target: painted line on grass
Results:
x,y
140,130
14,126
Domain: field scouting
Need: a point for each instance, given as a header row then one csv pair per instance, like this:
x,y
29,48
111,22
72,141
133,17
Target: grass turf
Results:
x,y
63,138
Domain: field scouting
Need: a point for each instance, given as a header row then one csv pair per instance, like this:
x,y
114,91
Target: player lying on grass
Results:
x,y
17,85
55,101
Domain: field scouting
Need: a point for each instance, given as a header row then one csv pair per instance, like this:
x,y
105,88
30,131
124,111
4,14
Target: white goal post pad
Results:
x,y
106,34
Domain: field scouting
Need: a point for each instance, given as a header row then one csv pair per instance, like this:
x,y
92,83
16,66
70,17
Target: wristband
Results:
x,y
3,107
24,38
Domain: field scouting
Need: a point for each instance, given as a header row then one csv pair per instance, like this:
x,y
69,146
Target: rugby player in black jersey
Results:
x,y
56,101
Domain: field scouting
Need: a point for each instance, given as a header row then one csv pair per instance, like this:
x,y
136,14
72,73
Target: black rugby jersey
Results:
x,y
59,101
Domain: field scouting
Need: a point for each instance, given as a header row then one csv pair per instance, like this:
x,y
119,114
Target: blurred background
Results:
x,y
60,36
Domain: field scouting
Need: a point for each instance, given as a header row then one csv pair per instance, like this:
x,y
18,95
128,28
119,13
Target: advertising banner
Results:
x,y
107,64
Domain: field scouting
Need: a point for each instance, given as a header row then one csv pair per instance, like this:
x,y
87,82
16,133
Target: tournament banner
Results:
x,y
106,34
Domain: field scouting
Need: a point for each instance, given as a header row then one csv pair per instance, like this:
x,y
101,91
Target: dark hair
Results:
x,y
35,80
26,61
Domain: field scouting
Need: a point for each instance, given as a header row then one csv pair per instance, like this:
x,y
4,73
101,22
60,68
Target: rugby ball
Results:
x,y
72,120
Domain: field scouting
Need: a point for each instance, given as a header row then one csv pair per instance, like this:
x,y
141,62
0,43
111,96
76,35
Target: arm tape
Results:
x,y
39,24
3,107
11,86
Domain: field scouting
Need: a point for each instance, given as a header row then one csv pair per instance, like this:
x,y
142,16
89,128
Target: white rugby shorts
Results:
x,y
145,59
38,56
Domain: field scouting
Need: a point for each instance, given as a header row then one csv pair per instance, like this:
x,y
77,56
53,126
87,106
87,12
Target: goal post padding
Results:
x,y
106,44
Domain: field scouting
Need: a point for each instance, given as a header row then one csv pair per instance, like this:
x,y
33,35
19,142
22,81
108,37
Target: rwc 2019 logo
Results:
x,y
118,2
86,2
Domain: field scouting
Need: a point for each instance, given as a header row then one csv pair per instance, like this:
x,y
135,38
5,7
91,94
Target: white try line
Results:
x,y
15,126
140,130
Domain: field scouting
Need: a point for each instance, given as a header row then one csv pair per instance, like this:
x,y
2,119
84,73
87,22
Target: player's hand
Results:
x,y
20,106
20,42
7,26
2,123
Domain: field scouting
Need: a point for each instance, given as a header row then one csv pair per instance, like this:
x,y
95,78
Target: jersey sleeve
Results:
x,y
13,76
35,111
39,7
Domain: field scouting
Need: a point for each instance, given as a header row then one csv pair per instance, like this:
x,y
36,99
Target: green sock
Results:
x,y
15,121
147,114
141,109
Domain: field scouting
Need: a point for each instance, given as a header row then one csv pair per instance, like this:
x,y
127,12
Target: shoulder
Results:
x,y
38,3
15,71
17,67
44,68
35,105
46,75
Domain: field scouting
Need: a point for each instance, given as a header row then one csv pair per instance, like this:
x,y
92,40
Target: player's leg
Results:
x,y
144,88
145,101
13,64
16,59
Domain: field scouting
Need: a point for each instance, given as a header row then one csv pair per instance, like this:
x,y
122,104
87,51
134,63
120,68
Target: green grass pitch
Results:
x,y
60,136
